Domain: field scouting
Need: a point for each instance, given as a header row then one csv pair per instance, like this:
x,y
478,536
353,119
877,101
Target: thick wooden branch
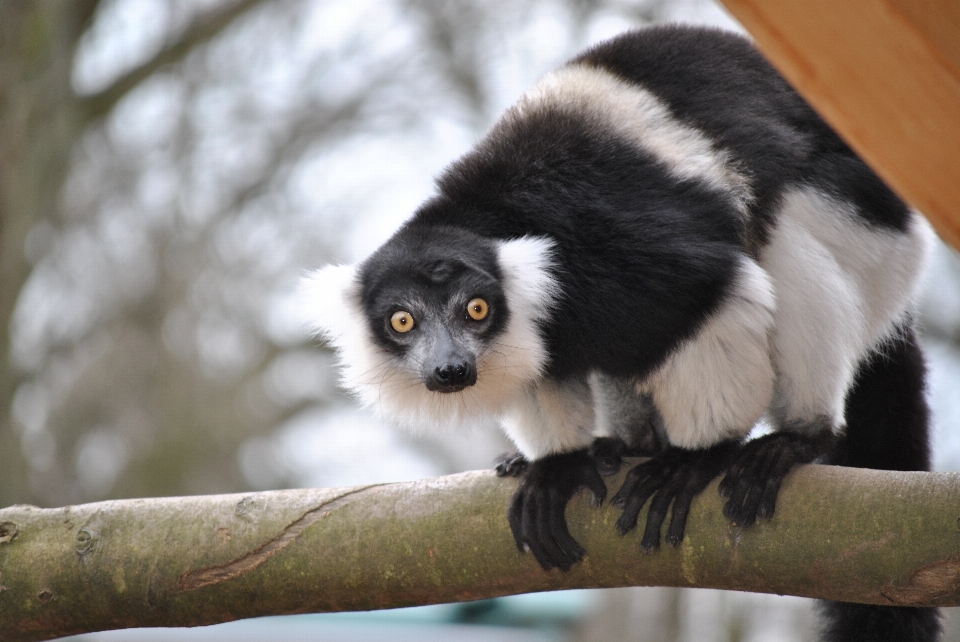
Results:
x,y
855,535
886,75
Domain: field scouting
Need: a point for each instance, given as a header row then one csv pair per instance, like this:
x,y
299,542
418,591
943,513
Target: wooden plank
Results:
x,y
886,75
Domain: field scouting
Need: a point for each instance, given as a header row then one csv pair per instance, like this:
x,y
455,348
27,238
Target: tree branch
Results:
x,y
202,30
854,535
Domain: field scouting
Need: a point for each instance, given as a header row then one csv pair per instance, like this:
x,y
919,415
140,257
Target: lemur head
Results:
x,y
438,326
434,299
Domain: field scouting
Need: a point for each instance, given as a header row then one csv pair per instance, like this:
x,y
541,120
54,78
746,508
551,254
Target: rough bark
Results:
x,y
855,535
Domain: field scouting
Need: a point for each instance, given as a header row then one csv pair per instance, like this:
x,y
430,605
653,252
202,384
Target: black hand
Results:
x,y
537,510
754,479
676,476
510,465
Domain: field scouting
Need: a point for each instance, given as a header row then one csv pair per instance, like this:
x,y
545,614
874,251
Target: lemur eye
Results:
x,y
478,309
402,321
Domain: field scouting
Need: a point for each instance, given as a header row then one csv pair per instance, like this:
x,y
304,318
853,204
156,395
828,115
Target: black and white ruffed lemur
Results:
x,y
660,244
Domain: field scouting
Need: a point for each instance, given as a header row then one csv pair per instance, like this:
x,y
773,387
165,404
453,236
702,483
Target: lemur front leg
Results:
x,y
565,412
537,513
552,424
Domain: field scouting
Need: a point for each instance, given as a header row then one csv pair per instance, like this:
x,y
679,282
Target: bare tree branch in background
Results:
x,y
147,266
202,30
151,220
453,27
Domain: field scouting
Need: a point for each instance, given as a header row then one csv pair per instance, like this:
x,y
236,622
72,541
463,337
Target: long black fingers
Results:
x,y
681,509
641,482
672,479
594,481
536,512
659,506
741,508
753,482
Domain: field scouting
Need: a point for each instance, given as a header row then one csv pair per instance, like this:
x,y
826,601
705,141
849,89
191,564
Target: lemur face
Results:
x,y
440,326
435,305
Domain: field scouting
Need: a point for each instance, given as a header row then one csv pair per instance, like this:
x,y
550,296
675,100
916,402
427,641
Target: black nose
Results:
x,y
452,377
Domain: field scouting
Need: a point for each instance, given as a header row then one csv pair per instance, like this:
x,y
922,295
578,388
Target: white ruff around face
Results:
x,y
393,387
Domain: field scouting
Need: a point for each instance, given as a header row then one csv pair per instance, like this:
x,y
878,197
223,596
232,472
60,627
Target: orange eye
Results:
x,y
478,309
402,321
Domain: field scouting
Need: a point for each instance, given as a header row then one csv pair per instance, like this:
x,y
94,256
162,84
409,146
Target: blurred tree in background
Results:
x,y
170,168
168,171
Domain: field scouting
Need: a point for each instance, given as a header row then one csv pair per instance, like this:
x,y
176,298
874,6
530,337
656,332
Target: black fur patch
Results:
x,y
887,429
887,413
717,82
868,623
643,258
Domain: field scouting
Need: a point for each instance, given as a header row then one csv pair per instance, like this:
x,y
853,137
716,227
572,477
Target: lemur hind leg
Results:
x,y
709,394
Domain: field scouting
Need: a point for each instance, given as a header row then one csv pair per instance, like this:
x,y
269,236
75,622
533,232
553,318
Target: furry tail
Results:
x,y
888,428
847,622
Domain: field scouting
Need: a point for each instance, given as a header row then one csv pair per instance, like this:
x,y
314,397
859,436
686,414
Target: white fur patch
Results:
x,y
842,285
529,281
393,387
330,301
719,383
640,117
551,417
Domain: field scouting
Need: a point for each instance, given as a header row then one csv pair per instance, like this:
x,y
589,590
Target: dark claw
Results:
x,y
753,482
510,465
673,478
536,513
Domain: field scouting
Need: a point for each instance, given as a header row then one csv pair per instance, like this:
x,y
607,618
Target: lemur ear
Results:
x,y
330,302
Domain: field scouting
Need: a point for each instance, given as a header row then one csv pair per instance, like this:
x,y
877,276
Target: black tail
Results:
x,y
888,428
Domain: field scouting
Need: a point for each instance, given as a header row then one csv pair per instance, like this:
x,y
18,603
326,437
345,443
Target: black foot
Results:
x,y
676,476
510,465
754,479
537,510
